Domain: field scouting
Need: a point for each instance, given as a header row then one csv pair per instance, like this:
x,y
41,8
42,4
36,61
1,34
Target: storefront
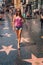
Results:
x,y
37,4
42,3
17,3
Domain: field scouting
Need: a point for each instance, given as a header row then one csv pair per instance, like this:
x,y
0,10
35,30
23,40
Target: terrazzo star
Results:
x,y
34,60
7,49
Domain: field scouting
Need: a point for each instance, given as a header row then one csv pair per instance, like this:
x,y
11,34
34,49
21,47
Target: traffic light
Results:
x,y
23,2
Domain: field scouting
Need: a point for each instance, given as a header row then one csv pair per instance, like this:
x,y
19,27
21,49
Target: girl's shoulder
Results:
x,y
18,18
14,16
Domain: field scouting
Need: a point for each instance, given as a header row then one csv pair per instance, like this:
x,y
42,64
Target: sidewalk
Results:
x,y
29,54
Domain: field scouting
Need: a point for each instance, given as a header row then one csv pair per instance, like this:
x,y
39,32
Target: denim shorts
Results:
x,y
19,28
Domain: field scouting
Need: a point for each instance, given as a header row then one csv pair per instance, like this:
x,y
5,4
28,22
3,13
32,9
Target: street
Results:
x,y
31,47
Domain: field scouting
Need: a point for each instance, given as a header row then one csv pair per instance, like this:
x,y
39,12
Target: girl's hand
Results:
x,y
13,28
23,20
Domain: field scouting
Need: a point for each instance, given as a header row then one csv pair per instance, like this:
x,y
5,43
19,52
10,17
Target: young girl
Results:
x,y
18,23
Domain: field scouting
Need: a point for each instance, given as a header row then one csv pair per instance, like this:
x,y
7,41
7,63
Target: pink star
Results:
x,y
5,28
7,49
34,60
7,35
25,39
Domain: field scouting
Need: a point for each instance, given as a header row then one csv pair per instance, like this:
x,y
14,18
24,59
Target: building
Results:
x,y
17,3
30,5
26,5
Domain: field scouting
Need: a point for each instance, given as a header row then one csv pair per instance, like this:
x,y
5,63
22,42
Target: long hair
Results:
x,y
18,13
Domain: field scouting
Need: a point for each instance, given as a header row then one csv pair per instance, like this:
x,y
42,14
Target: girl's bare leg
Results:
x,y
19,37
18,32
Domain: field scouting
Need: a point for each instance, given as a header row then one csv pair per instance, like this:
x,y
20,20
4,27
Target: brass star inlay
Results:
x,y
34,60
7,49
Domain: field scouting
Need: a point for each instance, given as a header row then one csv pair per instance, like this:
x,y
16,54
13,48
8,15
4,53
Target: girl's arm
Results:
x,y
14,16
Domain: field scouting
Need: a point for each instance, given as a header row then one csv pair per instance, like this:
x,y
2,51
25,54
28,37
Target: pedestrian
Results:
x,y
41,19
18,25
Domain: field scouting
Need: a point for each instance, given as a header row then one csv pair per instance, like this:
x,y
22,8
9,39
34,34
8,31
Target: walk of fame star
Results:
x,y
7,49
5,21
5,28
7,35
25,39
34,60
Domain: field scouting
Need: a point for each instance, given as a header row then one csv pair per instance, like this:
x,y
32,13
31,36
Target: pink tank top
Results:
x,y
18,22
